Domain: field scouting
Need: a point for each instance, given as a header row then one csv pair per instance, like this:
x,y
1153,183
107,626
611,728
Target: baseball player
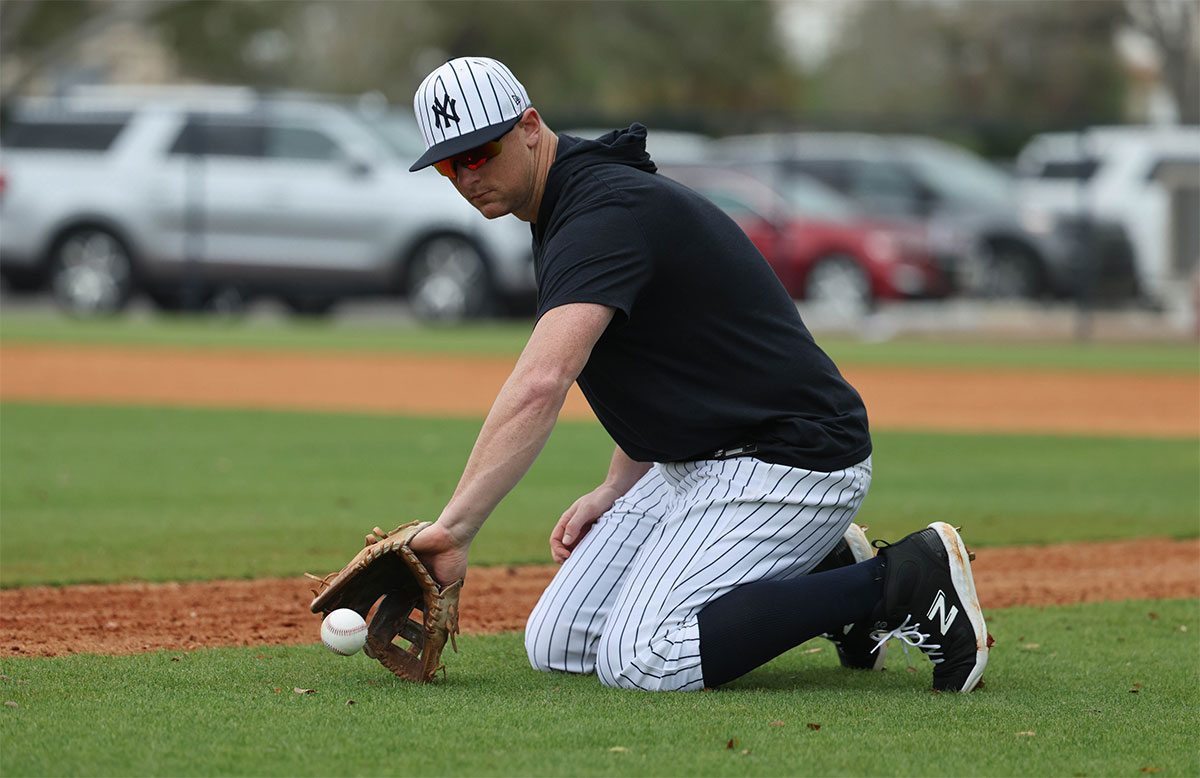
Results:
x,y
742,454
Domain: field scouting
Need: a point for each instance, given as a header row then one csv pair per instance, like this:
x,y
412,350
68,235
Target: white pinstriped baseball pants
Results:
x,y
625,604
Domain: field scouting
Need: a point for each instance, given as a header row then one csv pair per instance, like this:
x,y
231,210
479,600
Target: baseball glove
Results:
x,y
388,568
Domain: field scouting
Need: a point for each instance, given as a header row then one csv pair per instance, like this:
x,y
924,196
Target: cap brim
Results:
x,y
453,146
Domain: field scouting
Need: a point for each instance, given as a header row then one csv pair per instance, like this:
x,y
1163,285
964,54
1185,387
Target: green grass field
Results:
x,y
168,494
508,338
1094,690
129,482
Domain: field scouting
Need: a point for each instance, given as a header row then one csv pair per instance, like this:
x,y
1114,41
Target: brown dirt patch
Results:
x,y
1045,401
137,617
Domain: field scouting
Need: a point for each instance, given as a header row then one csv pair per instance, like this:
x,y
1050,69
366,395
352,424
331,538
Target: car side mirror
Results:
x,y
358,165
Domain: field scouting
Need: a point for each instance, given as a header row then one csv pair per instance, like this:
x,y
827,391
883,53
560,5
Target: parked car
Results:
x,y
665,147
1146,179
212,196
999,248
819,246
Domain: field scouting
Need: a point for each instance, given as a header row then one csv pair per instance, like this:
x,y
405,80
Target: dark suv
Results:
x,y
991,244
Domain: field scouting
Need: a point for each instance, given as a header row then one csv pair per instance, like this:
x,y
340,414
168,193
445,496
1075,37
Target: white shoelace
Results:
x,y
911,635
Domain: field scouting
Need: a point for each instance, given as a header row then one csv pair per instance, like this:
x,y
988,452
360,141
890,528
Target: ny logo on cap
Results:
x,y
445,110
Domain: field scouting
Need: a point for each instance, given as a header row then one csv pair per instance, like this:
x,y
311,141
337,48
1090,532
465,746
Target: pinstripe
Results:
x,y
564,598
696,546
422,110
740,524
663,556
594,570
482,103
496,97
510,83
463,93
621,576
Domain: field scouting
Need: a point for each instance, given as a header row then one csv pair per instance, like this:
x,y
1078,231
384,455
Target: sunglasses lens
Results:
x,y
472,160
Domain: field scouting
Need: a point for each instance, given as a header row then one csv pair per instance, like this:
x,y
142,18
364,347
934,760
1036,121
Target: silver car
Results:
x,y
210,196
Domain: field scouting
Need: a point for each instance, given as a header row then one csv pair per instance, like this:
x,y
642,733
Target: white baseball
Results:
x,y
344,632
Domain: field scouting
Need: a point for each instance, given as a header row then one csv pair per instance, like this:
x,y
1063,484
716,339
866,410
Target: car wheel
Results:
x,y
448,280
839,283
91,273
1010,273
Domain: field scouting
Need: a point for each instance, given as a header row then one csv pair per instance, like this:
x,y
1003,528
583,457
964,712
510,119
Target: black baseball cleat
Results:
x,y
930,602
856,648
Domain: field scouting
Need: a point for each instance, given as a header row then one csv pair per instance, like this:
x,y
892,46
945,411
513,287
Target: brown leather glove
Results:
x,y
387,568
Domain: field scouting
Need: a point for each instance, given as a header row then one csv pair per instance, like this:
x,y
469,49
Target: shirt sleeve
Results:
x,y
600,257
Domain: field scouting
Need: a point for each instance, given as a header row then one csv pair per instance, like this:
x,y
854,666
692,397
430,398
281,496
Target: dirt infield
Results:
x,y
131,618
1012,400
128,618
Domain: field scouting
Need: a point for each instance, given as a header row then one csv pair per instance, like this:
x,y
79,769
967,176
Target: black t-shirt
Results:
x,y
706,351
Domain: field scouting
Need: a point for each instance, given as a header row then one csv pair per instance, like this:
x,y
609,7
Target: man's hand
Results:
x,y
444,555
578,519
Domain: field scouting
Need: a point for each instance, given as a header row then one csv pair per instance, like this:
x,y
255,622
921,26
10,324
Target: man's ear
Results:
x,y
531,126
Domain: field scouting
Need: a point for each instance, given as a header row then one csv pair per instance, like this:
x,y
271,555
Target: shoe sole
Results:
x,y
856,539
964,587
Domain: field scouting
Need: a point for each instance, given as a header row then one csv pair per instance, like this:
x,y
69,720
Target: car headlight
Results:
x,y
882,245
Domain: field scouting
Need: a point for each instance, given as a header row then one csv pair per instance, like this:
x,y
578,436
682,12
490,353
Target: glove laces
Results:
x,y
911,635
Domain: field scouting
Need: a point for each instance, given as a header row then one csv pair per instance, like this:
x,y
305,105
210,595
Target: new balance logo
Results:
x,y
939,607
445,110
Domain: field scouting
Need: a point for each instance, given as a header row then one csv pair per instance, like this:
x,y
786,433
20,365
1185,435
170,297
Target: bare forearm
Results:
x,y
514,433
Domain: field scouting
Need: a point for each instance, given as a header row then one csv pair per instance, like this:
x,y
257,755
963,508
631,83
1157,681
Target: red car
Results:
x,y
820,248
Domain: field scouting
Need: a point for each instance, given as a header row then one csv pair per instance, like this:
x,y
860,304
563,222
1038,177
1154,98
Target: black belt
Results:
x,y
736,451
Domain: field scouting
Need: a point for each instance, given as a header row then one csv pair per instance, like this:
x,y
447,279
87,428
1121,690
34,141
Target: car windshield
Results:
x,y
959,176
815,200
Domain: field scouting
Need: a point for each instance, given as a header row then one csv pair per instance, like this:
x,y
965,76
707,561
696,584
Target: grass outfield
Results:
x,y
159,494
1090,690
507,338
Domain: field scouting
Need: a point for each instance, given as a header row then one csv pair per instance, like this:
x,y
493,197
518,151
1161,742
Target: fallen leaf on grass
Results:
x,y
1149,769
12,704
298,690
812,726
776,724
1028,734
1152,615
813,650
4,678
351,702
733,743
1029,646
618,750
745,751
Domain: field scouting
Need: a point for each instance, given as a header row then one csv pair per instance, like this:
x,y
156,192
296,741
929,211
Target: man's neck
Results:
x,y
545,158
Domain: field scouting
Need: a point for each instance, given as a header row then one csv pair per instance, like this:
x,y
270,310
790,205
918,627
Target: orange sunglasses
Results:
x,y
471,160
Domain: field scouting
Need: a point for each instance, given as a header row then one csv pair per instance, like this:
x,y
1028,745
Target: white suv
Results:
x,y
1118,174
211,196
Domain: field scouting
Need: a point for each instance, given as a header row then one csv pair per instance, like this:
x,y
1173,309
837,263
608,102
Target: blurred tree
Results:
x,y
998,70
1174,28
35,35
630,56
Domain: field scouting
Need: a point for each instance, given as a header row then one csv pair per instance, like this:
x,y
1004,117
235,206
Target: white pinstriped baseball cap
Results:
x,y
465,103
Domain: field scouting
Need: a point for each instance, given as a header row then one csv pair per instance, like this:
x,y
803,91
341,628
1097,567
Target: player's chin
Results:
x,y
491,209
